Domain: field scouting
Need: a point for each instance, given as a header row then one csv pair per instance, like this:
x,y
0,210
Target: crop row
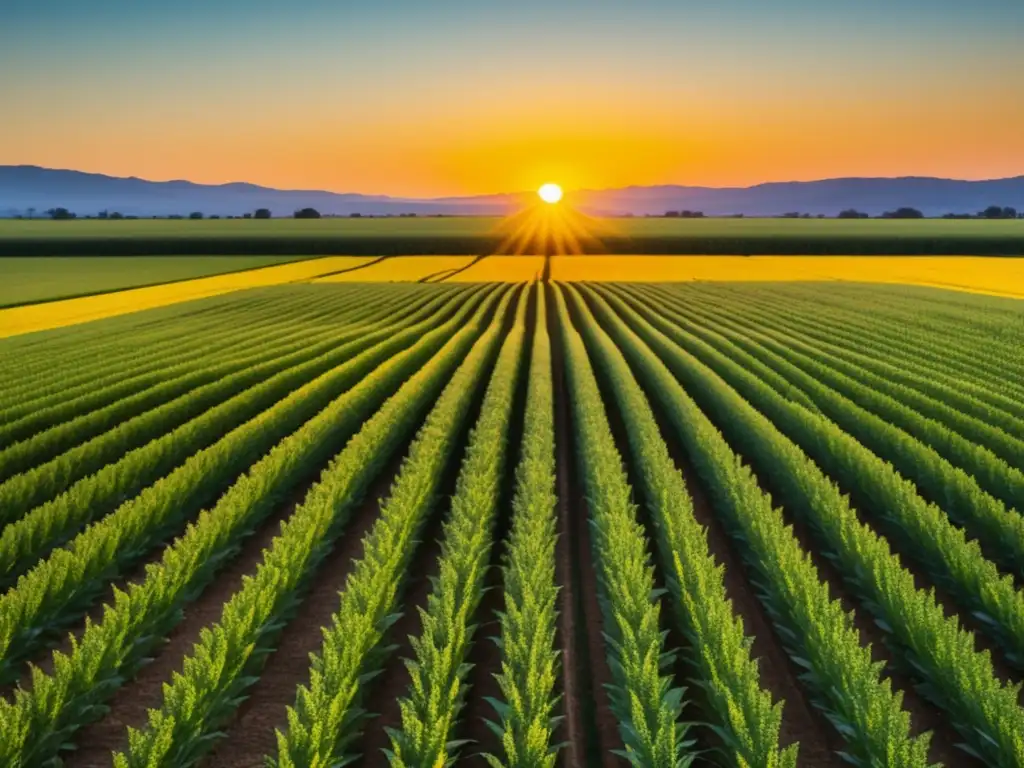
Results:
x,y
936,648
41,720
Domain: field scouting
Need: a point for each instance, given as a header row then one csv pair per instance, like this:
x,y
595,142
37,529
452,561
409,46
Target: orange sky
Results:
x,y
457,99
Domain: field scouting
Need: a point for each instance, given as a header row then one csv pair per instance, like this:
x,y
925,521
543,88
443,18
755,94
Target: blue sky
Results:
x,y
354,95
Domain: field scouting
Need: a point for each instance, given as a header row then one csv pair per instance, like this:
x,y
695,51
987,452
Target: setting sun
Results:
x,y
550,193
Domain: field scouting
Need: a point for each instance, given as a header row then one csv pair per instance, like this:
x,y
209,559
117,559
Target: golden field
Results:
x,y
455,269
56,314
409,269
989,275
978,274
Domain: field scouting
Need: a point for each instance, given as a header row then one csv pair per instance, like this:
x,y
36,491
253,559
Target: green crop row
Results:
x,y
926,361
45,481
529,669
75,362
1001,531
41,721
813,627
229,655
641,693
47,526
61,587
746,720
106,385
46,463
328,713
959,679
924,532
431,706
985,458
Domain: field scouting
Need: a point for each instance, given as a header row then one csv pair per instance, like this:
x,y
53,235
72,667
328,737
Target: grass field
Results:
x,y
703,518
30,280
475,235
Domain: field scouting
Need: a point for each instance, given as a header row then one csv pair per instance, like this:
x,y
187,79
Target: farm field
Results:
x,y
999,277
31,280
56,314
517,524
472,235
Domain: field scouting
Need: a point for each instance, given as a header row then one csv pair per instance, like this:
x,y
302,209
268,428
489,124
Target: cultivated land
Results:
x,y
476,235
977,274
33,279
304,503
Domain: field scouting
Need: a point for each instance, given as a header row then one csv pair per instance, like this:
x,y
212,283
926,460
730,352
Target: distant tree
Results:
x,y
903,213
307,213
100,215
852,213
671,214
262,213
60,214
195,215
1009,213
691,214
355,215
249,215
214,216
175,217
791,215
116,215
131,218
31,212
958,216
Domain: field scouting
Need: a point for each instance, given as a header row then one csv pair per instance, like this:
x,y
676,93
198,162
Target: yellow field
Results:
x,y
994,276
39,317
403,269
977,274
503,269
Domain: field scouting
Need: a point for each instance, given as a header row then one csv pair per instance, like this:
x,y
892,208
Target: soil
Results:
x,y
130,703
485,654
249,736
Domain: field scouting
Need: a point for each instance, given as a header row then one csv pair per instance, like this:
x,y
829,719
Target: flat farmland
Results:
x,y
1002,277
517,523
31,280
479,235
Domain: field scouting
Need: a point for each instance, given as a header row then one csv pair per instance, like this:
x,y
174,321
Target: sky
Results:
x,y
460,97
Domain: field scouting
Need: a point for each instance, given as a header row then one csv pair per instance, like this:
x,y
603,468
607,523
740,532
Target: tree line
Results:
x,y
63,214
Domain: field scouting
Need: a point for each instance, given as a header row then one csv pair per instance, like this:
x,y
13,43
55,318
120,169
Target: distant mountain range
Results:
x,y
26,186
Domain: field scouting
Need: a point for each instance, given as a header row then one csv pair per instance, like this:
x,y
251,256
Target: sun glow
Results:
x,y
550,193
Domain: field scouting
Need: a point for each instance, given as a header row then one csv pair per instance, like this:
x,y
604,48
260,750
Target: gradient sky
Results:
x,y
472,96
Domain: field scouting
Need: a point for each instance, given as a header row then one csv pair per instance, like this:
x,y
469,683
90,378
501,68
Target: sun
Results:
x,y
550,193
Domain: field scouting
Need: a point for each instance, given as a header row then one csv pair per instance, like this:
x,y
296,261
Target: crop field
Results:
x,y
999,277
32,280
517,524
473,235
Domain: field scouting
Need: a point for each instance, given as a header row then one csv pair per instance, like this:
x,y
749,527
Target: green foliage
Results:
x,y
230,654
959,679
431,706
202,385
747,721
40,721
51,524
328,714
529,667
816,632
642,697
